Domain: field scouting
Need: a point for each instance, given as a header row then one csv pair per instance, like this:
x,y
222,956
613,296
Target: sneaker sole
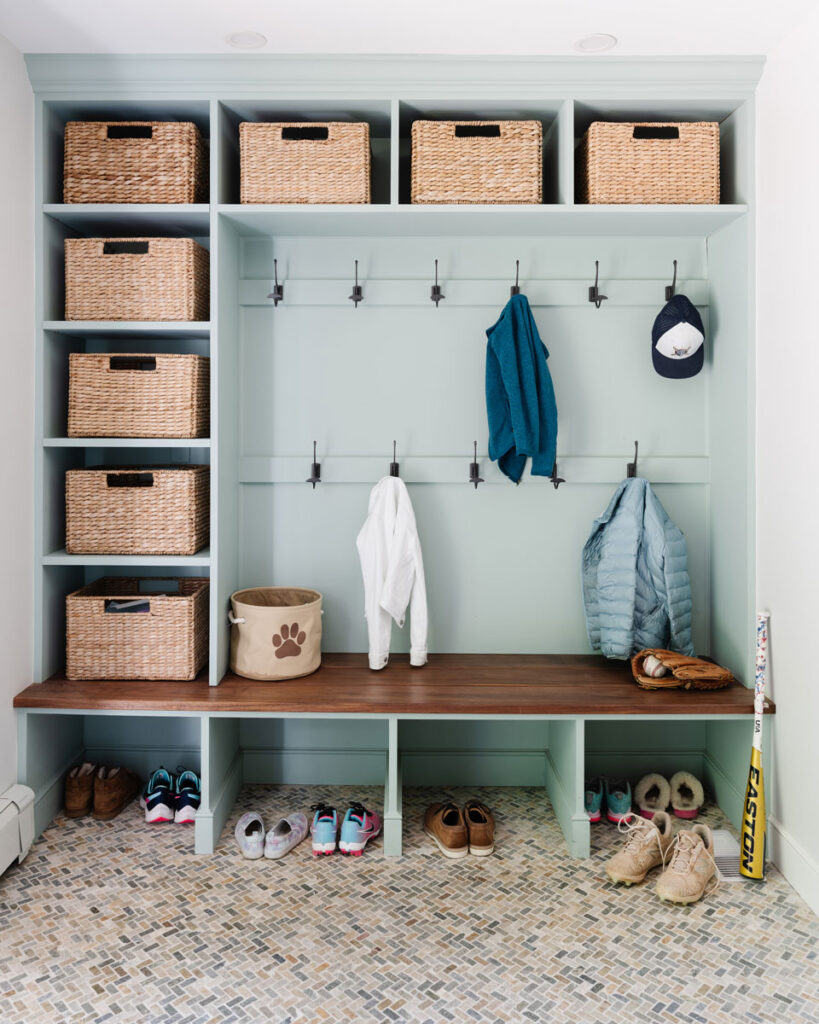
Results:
x,y
356,848
622,880
323,849
159,815
686,814
617,818
446,850
482,851
593,817
186,818
682,901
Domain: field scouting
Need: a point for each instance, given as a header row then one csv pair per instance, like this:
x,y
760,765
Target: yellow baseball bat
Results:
x,y
752,838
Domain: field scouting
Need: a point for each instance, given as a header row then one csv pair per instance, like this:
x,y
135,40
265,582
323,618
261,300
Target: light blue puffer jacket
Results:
x,y
636,589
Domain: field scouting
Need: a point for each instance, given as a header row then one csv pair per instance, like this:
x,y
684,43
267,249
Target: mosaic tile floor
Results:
x,y
113,921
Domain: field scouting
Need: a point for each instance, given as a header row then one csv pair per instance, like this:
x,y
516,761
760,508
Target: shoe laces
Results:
x,y
639,832
358,810
686,846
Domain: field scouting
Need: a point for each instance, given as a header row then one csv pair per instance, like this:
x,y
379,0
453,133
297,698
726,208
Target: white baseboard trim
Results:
x,y
800,869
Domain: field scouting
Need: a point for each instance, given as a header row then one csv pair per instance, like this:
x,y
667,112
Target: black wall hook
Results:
x,y
394,463
515,289
358,292
315,470
277,295
556,480
436,294
594,291
631,467
671,289
474,469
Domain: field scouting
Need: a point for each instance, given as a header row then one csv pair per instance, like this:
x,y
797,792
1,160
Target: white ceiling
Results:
x,y
549,27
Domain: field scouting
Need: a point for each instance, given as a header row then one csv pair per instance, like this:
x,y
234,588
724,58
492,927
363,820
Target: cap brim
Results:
x,y
678,369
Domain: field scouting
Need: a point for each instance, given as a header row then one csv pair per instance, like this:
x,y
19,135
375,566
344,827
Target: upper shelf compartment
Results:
x,y
376,113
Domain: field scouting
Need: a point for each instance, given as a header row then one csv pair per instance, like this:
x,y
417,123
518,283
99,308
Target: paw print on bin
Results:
x,y
289,641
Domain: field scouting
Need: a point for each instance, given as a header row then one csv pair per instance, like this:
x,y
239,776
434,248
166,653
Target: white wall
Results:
x,y
788,439
16,392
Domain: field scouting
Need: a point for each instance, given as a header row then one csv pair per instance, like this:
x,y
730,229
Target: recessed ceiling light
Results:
x,y
596,43
246,40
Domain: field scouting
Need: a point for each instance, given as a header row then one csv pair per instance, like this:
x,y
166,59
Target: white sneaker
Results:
x,y
283,837
249,833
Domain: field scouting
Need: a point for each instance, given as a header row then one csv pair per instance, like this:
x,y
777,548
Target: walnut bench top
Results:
x,y
449,685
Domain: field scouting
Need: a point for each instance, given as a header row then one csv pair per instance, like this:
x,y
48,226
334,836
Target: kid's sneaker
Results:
x,y
692,869
618,800
357,829
594,799
188,796
324,829
249,833
647,845
288,833
158,798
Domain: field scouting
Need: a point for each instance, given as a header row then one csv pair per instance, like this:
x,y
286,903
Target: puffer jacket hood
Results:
x,y
636,589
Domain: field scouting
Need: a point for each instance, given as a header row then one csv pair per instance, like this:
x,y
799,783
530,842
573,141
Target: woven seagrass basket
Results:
x,y
649,163
477,162
138,395
320,162
121,628
134,162
136,279
151,510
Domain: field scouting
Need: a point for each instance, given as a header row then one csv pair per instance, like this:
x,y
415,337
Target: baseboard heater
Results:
x,y
16,824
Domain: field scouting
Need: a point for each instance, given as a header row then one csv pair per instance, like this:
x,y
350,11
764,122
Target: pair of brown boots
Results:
x,y
100,791
458,833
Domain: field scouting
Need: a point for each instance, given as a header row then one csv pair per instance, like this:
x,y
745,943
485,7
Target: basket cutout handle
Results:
x,y
306,133
477,131
658,131
114,606
118,248
131,363
130,131
129,479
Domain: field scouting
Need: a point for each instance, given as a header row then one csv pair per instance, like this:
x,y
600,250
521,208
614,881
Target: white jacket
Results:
x,y
393,569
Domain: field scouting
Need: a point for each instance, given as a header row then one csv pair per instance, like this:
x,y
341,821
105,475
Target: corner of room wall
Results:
x,y
786,443
16,392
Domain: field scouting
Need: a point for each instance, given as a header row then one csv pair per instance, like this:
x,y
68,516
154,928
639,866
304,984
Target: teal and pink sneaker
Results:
x,y
594,799
324,829
357,829
618,800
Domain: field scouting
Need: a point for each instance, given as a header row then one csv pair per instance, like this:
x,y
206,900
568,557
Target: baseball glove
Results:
x,y
681,672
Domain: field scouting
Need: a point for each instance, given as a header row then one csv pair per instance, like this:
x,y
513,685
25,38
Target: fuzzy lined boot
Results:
x,y
686,795
651,794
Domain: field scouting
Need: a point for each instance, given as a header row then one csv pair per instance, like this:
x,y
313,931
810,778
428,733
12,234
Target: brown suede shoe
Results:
x,y
445,826
481,827
114,788
79,789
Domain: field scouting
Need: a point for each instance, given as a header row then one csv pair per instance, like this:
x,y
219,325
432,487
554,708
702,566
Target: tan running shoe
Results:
x,y
481,827
692,867
647,844
445,826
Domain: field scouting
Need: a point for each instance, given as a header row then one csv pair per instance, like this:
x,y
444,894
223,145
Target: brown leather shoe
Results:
x,y
481,827
445,826
79,789
114,788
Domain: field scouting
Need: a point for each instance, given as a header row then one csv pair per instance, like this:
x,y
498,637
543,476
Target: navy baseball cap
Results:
x,y
677,339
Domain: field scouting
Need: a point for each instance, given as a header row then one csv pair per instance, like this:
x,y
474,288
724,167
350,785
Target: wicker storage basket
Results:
x,y
125,628
477,162
275,632
322,162
134,162
649,163
151,510
136,279
138,395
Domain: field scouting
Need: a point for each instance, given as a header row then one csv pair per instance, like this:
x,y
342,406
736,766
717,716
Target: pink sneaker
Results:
x,y
357,829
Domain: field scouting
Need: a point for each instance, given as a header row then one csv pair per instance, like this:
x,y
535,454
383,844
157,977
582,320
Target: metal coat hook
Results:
x,y
436,294
474,469
556,480
278,289
358,291
671,289
394,463
631,467
515,289
594,291
315,470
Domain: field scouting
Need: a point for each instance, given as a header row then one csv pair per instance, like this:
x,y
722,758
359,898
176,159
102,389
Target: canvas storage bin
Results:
x,y
138,395
143,628
134,162
477,162
320,162
652,162
136,279
150,510
275,632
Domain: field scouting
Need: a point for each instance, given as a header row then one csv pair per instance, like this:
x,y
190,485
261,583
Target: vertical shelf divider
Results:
x,y
565,154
